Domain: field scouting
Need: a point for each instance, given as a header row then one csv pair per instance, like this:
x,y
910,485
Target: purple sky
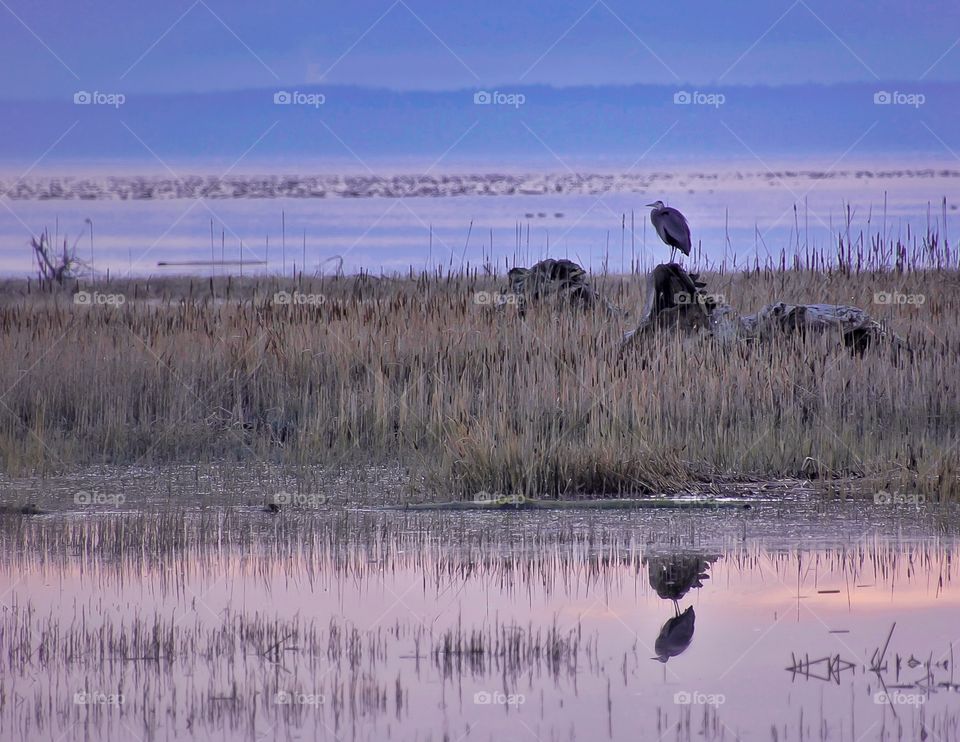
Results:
x,y
199,45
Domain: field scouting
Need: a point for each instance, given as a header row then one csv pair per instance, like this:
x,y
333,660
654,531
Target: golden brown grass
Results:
x,y
472,398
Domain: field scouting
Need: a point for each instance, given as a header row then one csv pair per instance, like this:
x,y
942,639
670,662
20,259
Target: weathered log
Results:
x,y
561,280
516,502
676,300
857,328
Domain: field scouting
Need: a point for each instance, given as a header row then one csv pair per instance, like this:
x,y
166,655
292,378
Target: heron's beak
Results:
x,y
651,204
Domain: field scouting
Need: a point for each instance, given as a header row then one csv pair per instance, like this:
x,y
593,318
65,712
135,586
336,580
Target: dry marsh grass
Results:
x,y
424,371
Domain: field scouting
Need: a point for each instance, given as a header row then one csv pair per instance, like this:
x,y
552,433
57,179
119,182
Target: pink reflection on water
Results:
x,y
552,650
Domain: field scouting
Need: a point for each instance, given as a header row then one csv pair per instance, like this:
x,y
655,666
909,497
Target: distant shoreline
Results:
x,y
152,187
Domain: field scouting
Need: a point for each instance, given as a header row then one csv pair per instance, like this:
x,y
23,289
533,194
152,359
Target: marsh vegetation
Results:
x,y
438,375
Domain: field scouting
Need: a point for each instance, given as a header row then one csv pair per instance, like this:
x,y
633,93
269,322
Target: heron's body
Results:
x,y
676,635
671,226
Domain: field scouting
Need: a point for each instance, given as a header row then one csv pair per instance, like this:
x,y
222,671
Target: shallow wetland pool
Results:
x,y
798,618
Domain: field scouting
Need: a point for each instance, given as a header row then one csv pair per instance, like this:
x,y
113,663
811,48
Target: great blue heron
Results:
x,y
672,576
676,634
672,227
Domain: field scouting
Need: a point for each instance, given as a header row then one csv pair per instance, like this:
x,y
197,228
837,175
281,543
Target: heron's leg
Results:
x,y
673,251
676,608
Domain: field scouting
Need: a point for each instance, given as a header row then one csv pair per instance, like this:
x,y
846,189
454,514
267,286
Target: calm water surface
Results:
x,y
791,620
736,216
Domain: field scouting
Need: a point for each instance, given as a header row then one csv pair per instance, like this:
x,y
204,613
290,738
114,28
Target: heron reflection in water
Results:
x,y
672,576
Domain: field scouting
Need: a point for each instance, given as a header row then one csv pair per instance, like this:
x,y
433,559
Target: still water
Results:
x,y
795,619
737,217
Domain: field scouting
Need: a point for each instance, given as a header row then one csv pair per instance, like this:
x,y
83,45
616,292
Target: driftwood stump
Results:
x,y
677,300
562,281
